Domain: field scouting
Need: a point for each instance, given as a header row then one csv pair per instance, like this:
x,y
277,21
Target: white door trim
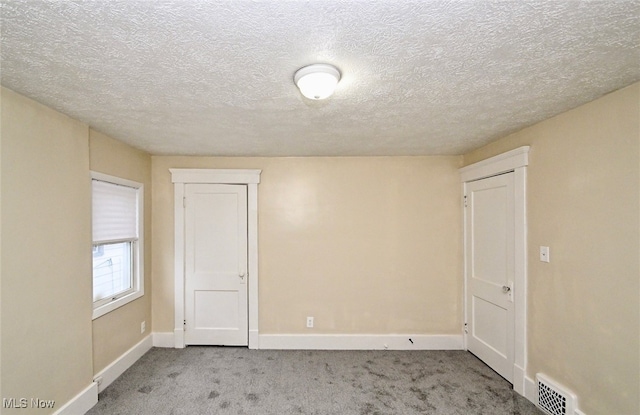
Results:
x,y
517,161
502,163
250,178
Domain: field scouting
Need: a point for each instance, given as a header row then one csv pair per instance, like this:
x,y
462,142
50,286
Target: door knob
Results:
x,y
505,289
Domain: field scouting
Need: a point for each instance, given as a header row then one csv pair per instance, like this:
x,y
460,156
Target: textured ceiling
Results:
x,y
215,77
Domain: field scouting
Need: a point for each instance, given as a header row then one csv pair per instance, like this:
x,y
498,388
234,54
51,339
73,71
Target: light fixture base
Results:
x,y
317,81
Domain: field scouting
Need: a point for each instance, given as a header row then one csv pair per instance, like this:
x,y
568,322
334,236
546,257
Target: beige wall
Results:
x,y
46,347
117,331
1,123
583,202
46,253
365,245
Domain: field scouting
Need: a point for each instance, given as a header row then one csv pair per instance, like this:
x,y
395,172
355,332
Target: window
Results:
x,y
118,276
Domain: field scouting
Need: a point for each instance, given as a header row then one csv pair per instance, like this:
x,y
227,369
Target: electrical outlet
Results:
x,y
309,322
545,254
143,327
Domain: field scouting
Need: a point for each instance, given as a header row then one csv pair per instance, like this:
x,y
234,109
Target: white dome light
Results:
x,y
317,81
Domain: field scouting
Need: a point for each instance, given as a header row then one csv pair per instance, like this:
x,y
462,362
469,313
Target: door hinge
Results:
x,y
465,200
184,322
184,202
466,328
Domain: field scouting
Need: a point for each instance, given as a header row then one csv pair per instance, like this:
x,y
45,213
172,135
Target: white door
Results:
x,y
489,246
216,265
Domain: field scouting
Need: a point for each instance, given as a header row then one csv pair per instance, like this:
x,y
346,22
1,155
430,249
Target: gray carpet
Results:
x,y
220,380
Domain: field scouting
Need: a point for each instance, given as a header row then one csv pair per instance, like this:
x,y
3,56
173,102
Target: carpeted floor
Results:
x,y
221,380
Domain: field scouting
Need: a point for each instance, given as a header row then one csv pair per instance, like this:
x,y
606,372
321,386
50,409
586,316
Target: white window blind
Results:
x,y
115,212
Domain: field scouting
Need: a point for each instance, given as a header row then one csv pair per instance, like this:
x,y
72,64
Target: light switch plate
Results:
x,y
544,254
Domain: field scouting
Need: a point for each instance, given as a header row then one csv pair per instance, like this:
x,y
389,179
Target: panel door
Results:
x,y
216,308
490,238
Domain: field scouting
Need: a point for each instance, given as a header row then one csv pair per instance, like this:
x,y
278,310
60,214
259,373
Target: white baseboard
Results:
x,y
168,339
361,342
337,341
163,340
81,403
110,373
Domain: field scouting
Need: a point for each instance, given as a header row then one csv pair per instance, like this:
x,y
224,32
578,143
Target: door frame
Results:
x,y
515,161
250,178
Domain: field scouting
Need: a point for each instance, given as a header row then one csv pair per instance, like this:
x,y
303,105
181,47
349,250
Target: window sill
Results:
x,y
106,308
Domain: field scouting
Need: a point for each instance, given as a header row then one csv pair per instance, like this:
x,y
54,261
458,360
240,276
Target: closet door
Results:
x,y
490,275
216,311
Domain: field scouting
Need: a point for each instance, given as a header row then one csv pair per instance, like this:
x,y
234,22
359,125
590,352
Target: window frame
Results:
x,y
104,306
131,261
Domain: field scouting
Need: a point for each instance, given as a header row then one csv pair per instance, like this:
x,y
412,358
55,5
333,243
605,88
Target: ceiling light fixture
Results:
x,y
317,81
